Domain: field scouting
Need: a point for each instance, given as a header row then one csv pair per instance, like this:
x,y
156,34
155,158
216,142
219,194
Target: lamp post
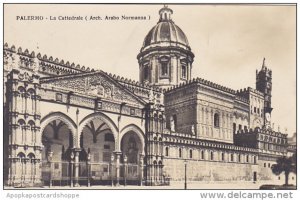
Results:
x,y
71,173
185,165
112,158
88,169
125,169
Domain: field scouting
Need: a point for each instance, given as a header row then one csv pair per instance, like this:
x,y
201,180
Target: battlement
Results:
x,y
263,130
245,93
270,132
187,139
203,82
47,61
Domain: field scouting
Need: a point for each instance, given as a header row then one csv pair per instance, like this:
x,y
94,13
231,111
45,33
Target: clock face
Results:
x,y
268,117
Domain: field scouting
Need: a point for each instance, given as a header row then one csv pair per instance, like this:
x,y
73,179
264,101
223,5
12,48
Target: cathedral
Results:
x,y
65,124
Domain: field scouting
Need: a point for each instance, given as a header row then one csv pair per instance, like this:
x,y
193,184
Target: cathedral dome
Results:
x,y
165,58
165,33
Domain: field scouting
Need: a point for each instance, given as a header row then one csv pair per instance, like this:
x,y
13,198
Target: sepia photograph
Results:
x,y
149,96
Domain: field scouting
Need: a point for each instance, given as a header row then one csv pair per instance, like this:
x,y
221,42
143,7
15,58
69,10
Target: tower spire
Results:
x,y
264,63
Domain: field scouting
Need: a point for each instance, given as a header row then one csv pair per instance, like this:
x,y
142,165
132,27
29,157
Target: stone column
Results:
x,y
118,156
152,180
71,168
141,169
172,70
88,169
76,167
10,172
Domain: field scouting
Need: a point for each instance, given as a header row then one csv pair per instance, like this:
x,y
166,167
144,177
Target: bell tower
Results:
x,y
264,85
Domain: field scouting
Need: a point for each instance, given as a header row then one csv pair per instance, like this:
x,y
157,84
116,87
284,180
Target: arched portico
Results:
x,y
61,117
58,136
99,117
132,128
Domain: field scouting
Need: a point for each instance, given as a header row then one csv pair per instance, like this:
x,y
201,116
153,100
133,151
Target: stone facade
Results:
x,y
64,122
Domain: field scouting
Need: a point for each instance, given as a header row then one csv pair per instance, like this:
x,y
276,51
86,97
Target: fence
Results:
x,y
89,173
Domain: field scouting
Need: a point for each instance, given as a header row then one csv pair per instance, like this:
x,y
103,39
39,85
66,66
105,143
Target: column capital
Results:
x,y
77,149
118,152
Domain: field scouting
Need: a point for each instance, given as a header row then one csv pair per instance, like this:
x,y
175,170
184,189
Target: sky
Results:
x,y
229,42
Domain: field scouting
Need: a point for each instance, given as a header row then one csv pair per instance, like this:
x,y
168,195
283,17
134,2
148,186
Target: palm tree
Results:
x,y
286,165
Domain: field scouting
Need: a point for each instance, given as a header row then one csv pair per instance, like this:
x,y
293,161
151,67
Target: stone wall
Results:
x,y
200,170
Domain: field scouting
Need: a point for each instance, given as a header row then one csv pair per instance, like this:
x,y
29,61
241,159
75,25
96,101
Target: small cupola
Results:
x,y
165,14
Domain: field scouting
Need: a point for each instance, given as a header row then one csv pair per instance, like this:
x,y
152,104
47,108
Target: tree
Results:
x,y
286,165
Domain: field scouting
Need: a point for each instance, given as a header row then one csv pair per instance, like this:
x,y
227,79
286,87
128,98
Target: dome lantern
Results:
x,y
165,14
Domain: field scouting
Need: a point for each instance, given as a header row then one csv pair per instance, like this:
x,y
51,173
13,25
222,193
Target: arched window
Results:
x,y
191,153
21,156
21,105
202,154
167,151
155,145
254,159
222,155
239,158
164,68
155,122
240,127
247,158
216,120
231,157
211,155
234,127
183,71
146,73
30,101
30,133
180,153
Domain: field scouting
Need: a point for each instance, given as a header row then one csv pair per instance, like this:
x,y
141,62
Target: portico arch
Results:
x,y
99,116
62,117
135,129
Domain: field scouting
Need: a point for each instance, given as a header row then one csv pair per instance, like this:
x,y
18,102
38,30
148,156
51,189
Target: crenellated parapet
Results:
x,y
266,140
246,92
202,82
271,132
42,64
188,140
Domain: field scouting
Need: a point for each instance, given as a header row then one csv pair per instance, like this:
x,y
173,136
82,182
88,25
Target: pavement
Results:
x,y
173,185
